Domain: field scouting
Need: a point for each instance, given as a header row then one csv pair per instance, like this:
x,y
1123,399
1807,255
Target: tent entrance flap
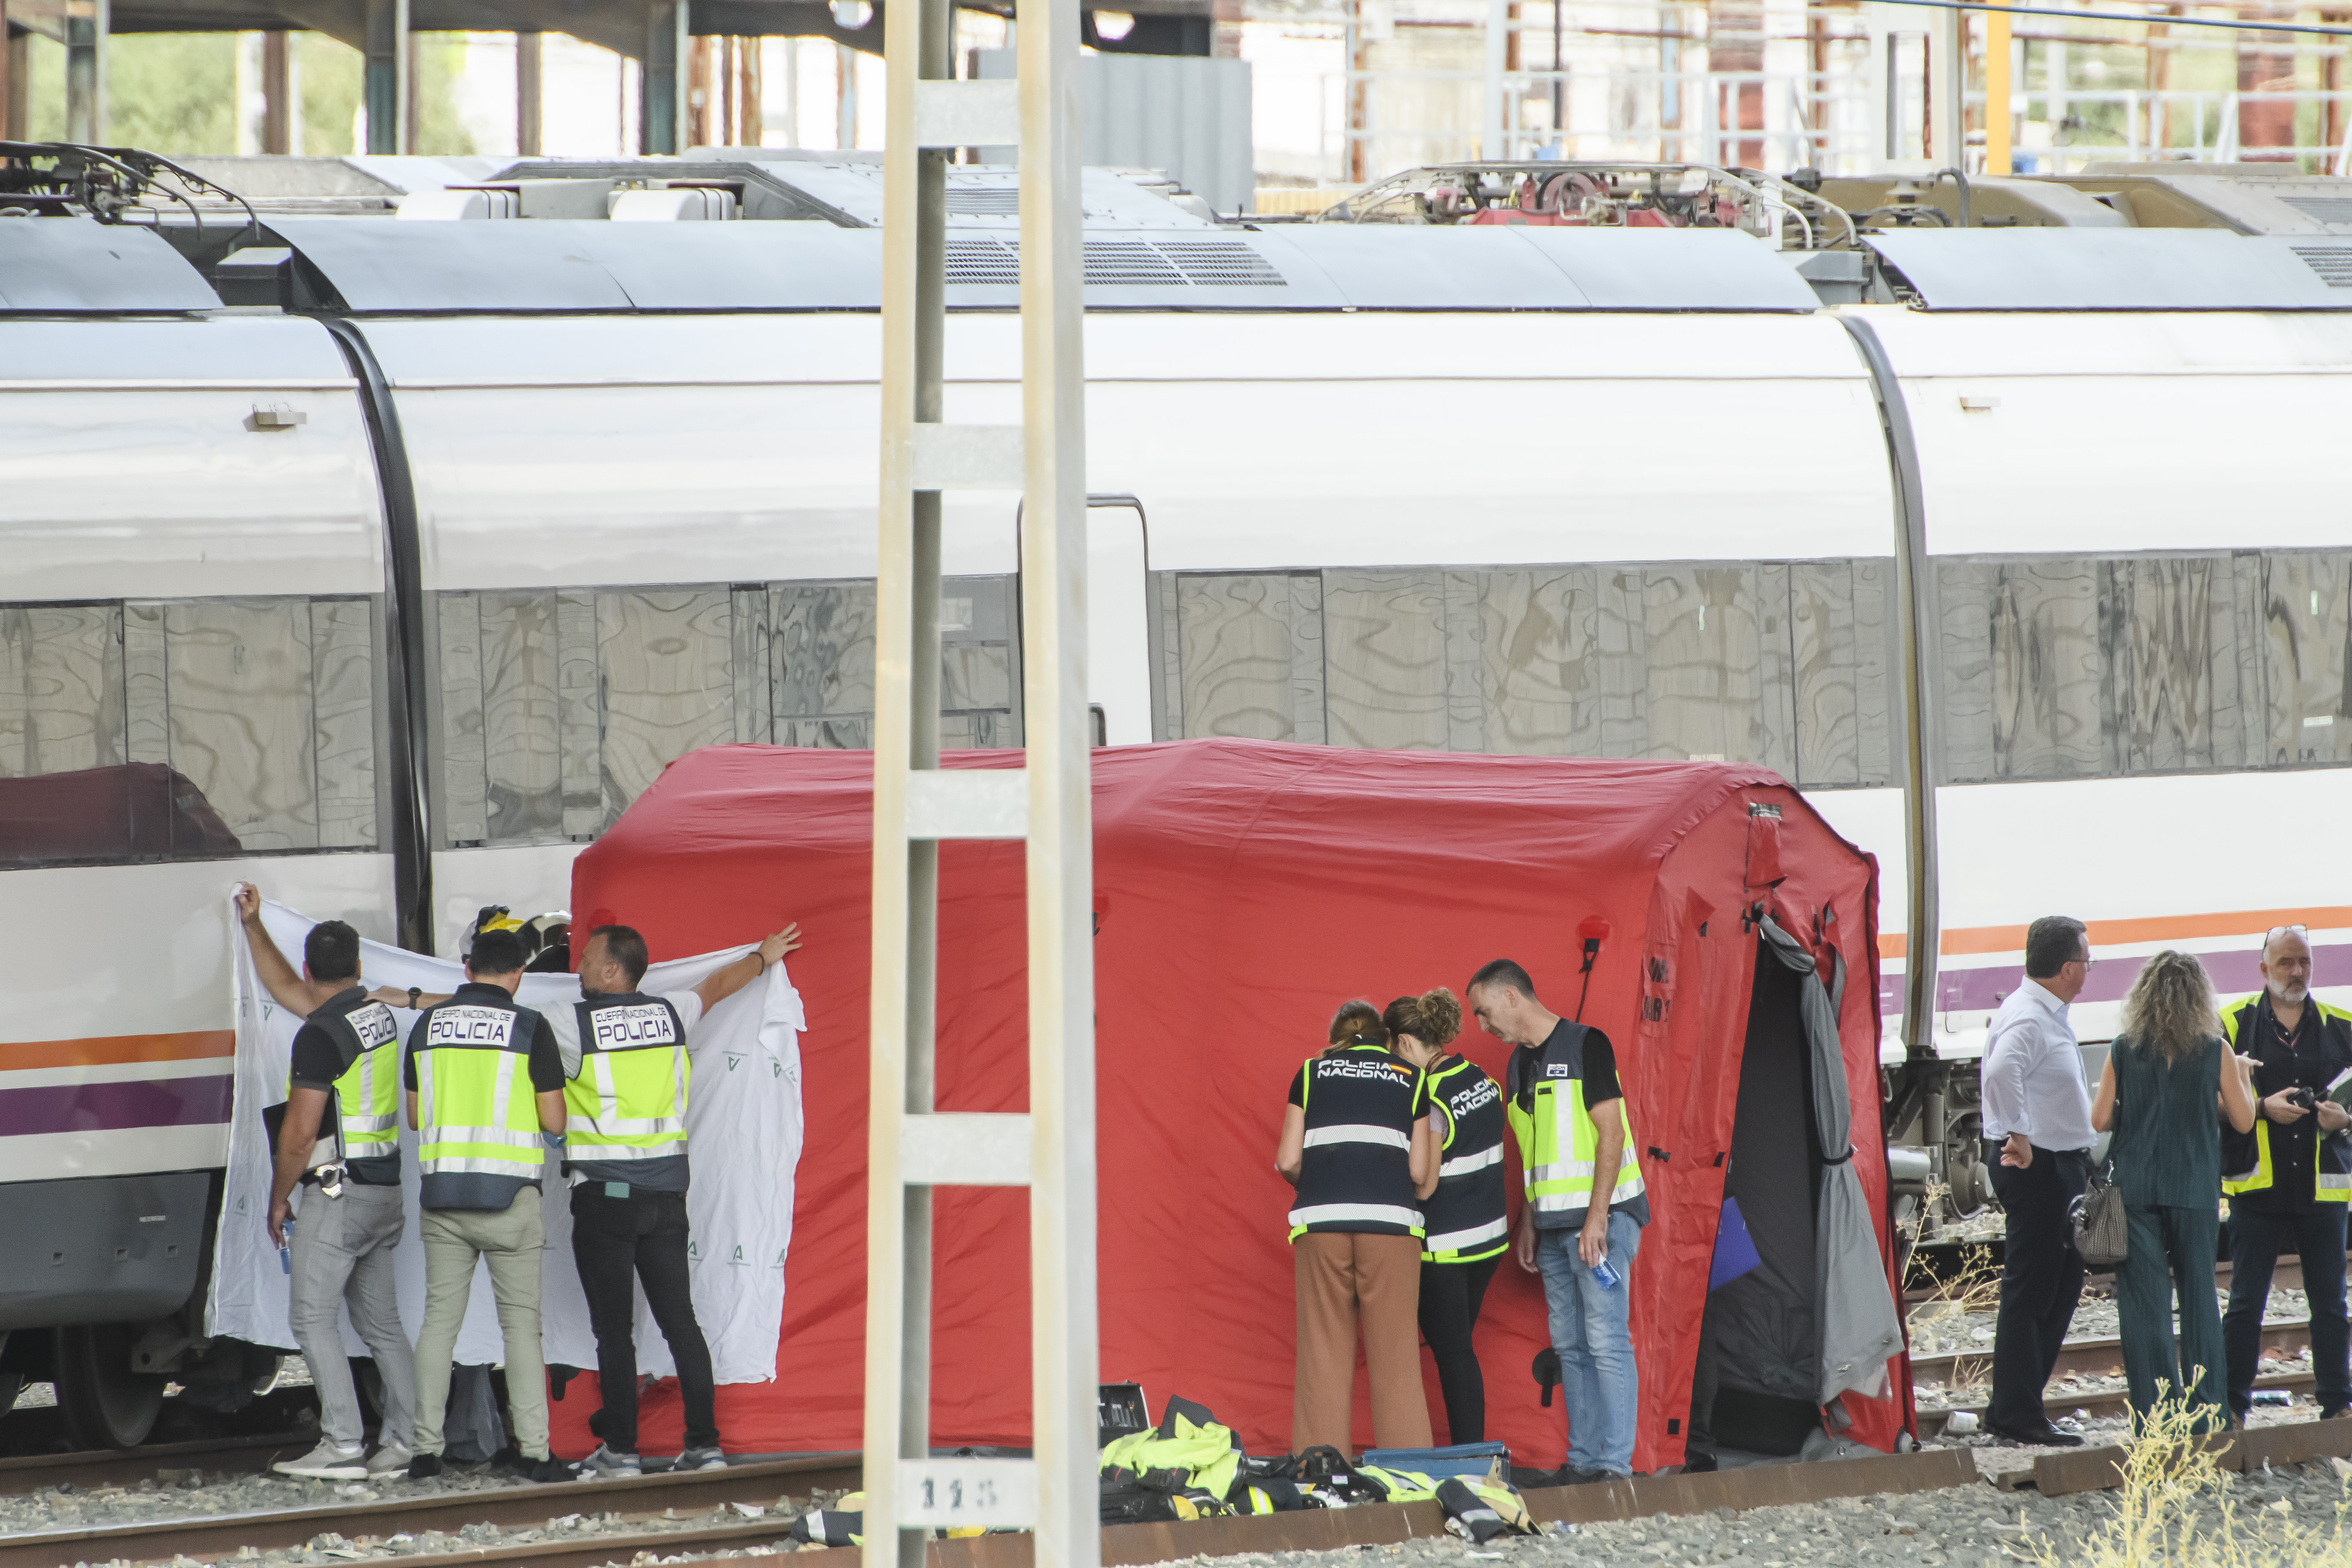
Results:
x,y
1761,1332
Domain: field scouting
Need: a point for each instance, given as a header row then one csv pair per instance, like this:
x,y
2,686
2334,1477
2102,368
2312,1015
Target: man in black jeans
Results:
x,y
2038,1139
625,1055
2288,1179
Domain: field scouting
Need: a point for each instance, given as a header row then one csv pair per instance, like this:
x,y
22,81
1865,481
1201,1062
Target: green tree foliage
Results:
x,y
176,92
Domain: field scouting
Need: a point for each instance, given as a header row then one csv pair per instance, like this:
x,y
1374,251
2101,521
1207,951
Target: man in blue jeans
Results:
x,y
1568,1112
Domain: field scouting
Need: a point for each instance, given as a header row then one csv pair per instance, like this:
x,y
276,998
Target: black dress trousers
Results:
x,y
2041,1279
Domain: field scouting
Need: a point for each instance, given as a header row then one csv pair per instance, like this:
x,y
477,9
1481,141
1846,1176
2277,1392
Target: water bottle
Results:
x,y
286,1247
1605,1275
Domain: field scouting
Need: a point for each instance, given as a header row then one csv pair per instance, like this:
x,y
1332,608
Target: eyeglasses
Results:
x,y
2272,935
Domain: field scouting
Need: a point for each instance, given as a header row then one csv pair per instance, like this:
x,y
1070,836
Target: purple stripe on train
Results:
x,y
107,1107
1980,989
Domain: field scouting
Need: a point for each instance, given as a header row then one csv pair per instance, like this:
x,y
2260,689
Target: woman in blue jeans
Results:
x,y
2164,1074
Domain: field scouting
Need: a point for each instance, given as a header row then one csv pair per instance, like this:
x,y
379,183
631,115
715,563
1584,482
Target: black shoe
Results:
x,y
1569,1476
2042,1436
546,1471
2333,1411
424,1467
1699,1464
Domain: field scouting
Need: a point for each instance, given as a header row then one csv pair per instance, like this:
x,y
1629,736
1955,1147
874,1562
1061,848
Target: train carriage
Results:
x,y
391,594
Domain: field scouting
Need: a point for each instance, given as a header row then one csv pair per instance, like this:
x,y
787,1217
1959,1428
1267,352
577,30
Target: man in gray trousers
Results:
x,y
339,1143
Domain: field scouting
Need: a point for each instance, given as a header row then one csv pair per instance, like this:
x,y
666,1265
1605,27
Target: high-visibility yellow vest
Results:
x,y
2331,1163
629,1100
365,1112
477,1111
1557,1173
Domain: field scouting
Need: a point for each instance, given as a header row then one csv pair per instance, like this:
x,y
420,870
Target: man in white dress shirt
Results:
x,y
2038,1139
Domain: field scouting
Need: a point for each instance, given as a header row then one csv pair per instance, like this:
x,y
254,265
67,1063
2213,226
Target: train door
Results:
x,y
1119,630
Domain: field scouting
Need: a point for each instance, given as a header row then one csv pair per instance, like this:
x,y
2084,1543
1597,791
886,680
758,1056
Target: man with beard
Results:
x,y
2294,1169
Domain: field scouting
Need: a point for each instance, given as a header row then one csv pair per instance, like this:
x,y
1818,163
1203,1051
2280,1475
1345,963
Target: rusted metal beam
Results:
x,y
2289,1443
235,1456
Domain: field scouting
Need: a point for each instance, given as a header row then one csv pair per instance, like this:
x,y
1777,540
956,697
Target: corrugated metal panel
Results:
x,y
79,265
2114,270
1185,113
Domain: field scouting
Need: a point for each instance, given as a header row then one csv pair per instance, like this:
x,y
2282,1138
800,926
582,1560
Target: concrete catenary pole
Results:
x,y
911,1147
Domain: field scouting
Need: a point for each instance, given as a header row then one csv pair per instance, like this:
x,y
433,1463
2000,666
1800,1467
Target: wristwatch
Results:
x,y
414,993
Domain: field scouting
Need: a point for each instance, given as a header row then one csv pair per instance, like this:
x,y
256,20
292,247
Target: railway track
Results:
x,y
128,1467
2103,1402
2098,1357
210,1537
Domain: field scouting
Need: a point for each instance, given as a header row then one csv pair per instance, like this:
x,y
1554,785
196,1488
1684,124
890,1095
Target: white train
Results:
x,y
391,585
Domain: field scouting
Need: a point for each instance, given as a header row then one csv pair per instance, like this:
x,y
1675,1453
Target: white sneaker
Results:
x,y
391,1460
711,1458
329,1461
605,1465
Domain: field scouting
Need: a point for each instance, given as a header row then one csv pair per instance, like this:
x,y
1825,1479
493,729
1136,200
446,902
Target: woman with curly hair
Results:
x,y
1467,1231
2164,1075
1358,1143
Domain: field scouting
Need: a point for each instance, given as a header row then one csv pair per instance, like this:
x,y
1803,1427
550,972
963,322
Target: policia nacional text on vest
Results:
x,y
2253,1153
1355,1169
626,1110
360,1132
1466,1217
479,1139
1545,1093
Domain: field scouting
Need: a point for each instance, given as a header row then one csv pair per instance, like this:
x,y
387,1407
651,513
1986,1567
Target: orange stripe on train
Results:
x,y
108,1050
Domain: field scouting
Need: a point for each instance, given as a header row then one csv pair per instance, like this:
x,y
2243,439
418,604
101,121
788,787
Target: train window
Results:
x,y
2307,684
559,708
2143,664
158,730
1779,663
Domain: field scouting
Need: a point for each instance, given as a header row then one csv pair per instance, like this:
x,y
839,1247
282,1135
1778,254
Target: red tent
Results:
x,y
1244,889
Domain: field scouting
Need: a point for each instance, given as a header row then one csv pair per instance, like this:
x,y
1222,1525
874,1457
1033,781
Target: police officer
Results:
x,y
2295,1169
340,1141
624,1055
1567,1111
1359,1143
1468,1229
485,1084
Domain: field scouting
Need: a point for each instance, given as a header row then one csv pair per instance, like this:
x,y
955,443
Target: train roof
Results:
x,y
379,266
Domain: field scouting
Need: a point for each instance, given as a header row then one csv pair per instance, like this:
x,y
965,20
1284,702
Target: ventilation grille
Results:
x,y
2332,262
985,201
2322,209
1124,263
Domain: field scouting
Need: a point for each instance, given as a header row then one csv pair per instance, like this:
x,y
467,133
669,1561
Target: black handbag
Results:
x,y
2101,1234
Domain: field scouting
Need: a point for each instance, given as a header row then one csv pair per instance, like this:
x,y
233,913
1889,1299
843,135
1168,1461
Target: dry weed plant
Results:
x,y
2179,1508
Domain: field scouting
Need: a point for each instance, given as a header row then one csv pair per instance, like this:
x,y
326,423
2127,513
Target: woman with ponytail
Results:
x,y
1466,1230
1358,1143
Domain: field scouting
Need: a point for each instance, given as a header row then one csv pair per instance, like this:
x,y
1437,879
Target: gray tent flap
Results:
x,y
1860,1327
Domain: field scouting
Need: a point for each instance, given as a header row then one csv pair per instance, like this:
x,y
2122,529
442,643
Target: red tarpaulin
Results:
x,y
1244,890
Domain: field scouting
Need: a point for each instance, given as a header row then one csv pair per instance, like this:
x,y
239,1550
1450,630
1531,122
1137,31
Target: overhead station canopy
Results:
x,y
2117,269
383,267
77,266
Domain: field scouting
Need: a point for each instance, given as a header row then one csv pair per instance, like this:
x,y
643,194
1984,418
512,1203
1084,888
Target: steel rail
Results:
x,y
105,1467
2102,1355
2111,1402
213,1536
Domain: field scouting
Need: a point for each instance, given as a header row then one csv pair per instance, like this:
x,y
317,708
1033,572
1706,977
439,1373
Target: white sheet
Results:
x,y
743,1133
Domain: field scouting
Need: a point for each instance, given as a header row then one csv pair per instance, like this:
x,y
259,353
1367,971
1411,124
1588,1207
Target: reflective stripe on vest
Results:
x,y
478,1111
1444,1248
1558,1184
1387,1137
1376,1214
1464,1164
2327,1187
628,1101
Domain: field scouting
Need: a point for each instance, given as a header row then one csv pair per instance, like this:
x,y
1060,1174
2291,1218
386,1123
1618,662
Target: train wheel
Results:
x,y
104,1402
